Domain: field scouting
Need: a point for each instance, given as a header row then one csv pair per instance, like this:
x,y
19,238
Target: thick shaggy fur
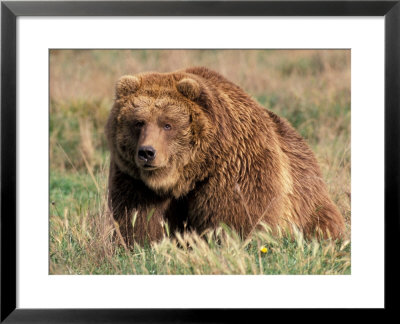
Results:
x,y
222,158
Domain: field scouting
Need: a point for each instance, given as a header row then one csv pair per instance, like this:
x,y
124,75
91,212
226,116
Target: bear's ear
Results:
x,y
189,88
127,85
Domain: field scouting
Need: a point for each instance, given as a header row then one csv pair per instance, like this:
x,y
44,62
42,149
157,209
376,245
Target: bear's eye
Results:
x,y
139,124
167,127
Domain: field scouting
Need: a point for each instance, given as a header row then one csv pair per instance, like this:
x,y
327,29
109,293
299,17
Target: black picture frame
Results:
x,y
11,10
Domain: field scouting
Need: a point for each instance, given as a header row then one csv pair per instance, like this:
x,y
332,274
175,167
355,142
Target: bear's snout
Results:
x,y
146,153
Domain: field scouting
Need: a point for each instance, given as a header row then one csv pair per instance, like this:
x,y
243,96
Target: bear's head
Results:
x,y
154,129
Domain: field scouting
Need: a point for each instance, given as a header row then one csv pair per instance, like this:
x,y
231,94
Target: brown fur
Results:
x,y
225,159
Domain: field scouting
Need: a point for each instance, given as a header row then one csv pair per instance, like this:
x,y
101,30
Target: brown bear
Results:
x,y
191,150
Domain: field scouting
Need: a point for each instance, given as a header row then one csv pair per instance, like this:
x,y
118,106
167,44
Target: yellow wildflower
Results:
x,y
264,249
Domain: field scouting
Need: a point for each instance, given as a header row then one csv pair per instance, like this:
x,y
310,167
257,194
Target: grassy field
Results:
x,y
311,88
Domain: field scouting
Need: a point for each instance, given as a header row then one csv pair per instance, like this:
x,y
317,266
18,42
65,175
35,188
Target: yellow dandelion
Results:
x,y
264,249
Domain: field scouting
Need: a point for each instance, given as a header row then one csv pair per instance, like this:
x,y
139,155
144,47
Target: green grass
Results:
x,y
309,88
82,242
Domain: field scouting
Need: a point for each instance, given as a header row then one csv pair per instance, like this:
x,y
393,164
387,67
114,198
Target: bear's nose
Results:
x,y
146,153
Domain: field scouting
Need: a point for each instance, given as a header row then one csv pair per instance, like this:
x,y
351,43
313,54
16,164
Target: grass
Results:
x,y
81,242
309,88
